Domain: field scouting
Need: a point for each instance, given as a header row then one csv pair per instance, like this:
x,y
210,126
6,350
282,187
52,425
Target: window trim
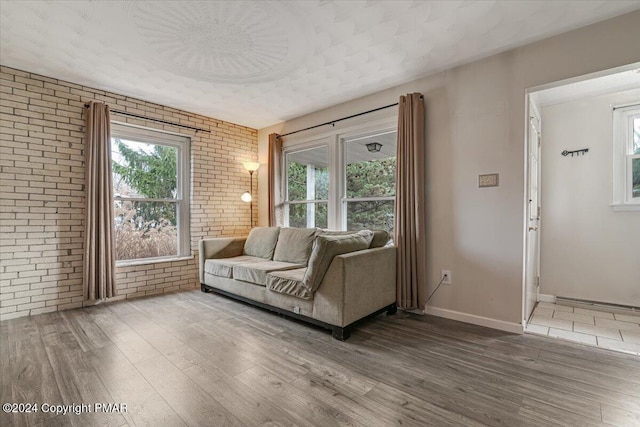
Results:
x,y
344,199
182,143
336,206
622,159
311,145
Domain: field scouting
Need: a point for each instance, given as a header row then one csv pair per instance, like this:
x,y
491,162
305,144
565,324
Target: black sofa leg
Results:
x,y
341,333
204,288
393,309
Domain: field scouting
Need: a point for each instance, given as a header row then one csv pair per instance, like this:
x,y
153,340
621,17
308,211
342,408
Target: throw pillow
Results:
x,y
380,239
325,248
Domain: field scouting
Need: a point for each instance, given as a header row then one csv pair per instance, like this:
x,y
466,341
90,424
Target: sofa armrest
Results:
x,y
356,285
218,247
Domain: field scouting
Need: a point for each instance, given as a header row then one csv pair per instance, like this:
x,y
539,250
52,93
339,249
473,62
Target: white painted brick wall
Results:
x,y
42,192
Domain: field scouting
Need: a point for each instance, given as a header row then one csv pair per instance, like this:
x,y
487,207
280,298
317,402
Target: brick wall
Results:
x,y
42,192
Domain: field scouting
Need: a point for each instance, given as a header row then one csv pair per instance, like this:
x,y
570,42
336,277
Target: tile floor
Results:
x,y
597,327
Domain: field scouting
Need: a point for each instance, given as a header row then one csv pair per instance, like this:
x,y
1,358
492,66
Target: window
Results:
x,y
151,193
370,181
307,188
626,167
346,180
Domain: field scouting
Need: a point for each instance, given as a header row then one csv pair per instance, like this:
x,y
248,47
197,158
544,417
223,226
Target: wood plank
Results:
x,y
619,417
306,409
404,375
132,345
32,379
418,409
544,414
187,345
79,383
527,376
242,401
6,372
238,335
84,329
360,407
196,359
622,373
145,407
185,397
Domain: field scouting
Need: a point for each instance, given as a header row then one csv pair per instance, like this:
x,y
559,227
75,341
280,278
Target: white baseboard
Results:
x,y
516,328
546,298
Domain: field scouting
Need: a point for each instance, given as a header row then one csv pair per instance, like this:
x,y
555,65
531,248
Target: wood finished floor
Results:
x,y
199,359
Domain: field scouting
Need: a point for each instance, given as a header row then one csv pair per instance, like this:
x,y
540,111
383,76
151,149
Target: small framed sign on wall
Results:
x,y
488,180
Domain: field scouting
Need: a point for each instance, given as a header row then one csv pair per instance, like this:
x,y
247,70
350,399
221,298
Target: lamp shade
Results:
x,y
251,166
246,197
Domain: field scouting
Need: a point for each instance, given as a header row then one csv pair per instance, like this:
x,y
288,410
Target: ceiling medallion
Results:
x,y
230,42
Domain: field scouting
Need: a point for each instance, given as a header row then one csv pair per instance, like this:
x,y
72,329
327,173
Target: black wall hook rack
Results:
x,y
576,152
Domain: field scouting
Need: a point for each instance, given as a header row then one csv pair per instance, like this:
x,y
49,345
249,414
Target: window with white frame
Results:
x,y
345,180
151,193
626,167
370,181
307,183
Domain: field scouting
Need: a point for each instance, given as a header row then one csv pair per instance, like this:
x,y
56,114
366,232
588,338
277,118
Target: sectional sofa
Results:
x,y
329,278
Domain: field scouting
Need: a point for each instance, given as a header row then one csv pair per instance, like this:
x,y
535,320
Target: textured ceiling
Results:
x,y
260,62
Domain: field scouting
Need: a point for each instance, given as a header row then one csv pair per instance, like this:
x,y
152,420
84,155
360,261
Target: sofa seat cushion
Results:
x,y
256,272
223,267
261,242
294,245
289,282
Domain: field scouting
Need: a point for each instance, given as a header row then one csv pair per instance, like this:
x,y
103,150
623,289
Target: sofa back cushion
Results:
x,y
261,242
380,237
294,245
327,246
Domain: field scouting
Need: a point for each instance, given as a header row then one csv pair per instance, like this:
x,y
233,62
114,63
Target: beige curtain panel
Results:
x,y
275,174
410,229
99,244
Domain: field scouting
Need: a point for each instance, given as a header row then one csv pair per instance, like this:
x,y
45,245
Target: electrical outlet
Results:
x,y
445,276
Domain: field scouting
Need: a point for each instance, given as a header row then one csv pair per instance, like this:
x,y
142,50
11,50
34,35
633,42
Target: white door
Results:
x,y
532,281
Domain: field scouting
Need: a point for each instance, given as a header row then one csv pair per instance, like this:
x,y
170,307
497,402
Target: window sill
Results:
x,y
130,263
628,207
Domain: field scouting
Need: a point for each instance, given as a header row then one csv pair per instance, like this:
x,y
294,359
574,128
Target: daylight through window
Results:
x,y
370,182
626,167
150,186
307,188
343,181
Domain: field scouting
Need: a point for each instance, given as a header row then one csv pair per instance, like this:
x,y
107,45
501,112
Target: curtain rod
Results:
x,y
625,106
333,122
137,116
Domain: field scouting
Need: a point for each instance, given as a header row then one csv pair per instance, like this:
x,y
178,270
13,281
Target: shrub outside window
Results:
x,y
307,188
370,181
151,193
342,181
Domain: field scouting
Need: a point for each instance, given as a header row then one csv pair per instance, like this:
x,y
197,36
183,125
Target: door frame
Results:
x,y
533,111
530,109
525,224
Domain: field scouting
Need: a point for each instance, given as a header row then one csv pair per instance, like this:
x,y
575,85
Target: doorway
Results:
x,y
582,224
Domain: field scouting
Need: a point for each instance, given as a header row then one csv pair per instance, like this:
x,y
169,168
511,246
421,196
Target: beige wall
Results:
x,y
42,192
475,125
588,251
